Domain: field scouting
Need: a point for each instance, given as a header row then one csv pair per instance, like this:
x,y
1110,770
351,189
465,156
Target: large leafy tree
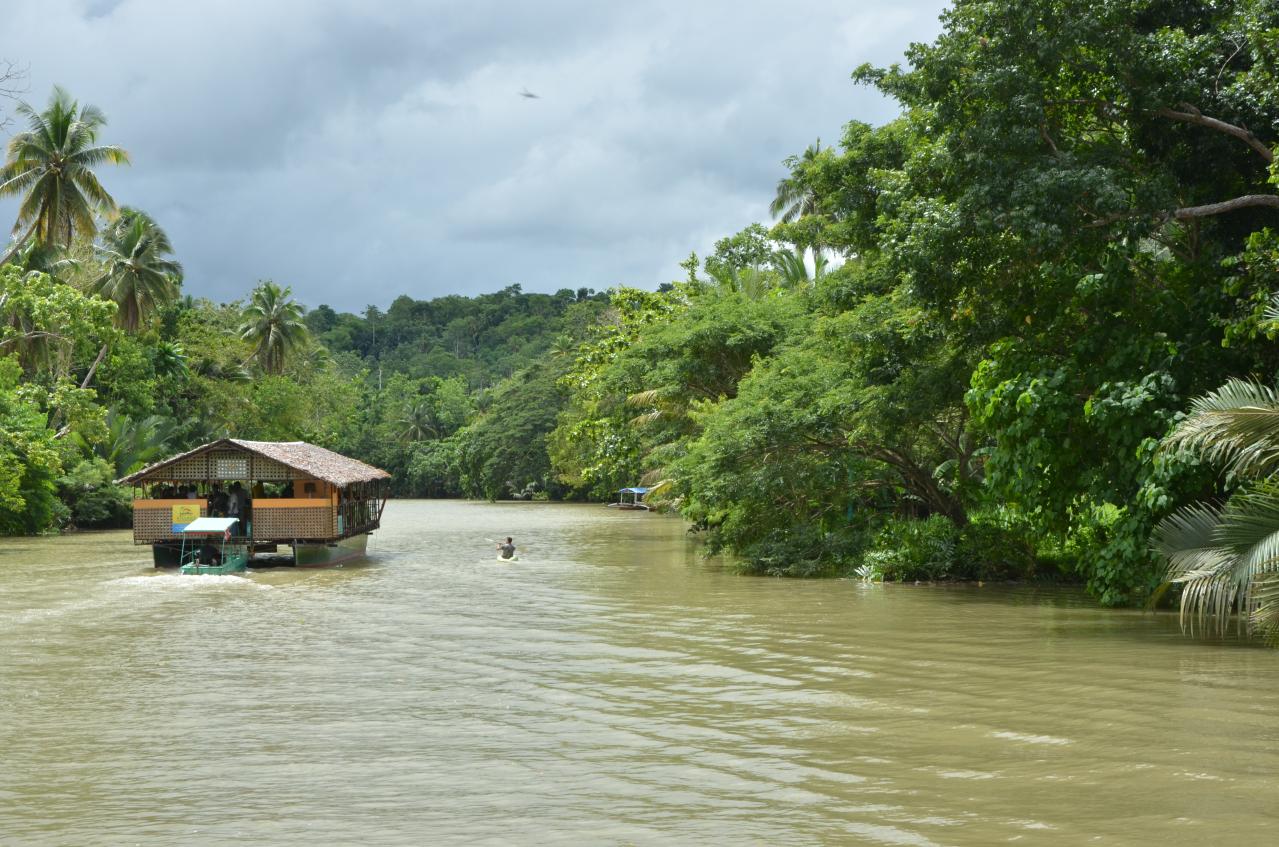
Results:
x,y
50,167
273,324
138,273
1085,180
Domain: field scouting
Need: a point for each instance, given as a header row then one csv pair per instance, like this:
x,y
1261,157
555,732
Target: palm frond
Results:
x,y
1221,556
650,397
1236,426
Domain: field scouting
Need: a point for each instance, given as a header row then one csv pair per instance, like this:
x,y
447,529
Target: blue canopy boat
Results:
x,y
634,503
209,546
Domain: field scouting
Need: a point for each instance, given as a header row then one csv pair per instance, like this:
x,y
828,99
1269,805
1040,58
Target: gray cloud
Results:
x,y
361,150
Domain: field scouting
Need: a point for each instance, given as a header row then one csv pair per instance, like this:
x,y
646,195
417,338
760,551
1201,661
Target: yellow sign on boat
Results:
x,y
184,514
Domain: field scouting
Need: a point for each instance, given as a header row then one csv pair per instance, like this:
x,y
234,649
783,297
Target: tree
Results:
x,y
795,197
274,324
1076,204
417,423
504,451
136,275
50,166
54,328
30,461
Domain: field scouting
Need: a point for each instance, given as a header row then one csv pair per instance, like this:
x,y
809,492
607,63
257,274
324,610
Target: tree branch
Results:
x,y
1194,116
28,336
1244,202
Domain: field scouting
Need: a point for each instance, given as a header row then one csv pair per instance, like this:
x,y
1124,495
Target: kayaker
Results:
x,y
507,550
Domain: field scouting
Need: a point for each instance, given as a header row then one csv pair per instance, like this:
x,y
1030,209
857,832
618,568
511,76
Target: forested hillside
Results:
x,y
965,347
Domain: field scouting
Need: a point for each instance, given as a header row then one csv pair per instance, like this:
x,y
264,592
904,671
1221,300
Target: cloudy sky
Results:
x,y
362,149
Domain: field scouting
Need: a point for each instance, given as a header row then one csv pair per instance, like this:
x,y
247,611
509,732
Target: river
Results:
x,y
610,688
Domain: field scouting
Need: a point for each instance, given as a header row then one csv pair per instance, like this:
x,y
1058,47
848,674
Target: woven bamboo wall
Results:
x,y
269,470
155,523
195,468
228,465
284,524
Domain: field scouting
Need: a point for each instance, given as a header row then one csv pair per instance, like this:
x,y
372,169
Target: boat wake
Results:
x,y
170,582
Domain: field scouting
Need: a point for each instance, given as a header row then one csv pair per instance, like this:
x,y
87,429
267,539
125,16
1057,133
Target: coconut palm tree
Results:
x,y
1226,557
50,166
130,444
169,359
136,275
418,423
273,324
35,258
795,197
790,264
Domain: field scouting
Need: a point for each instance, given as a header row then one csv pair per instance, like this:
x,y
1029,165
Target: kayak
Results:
x,y
511,559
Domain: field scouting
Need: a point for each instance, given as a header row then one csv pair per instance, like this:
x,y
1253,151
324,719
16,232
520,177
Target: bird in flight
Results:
x,y
524,92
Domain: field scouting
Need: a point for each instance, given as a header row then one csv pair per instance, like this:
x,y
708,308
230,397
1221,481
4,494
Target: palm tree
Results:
x,y
34,258
50,167
136,276
418,423
131,444
790,264
273,324
1226,557
795,197
169,359
753,283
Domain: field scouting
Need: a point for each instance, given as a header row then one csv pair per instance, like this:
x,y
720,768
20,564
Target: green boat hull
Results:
x,y
231,564
326,555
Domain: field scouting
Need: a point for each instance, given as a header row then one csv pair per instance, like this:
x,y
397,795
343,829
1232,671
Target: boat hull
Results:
x,y
167,554
327,555
233,564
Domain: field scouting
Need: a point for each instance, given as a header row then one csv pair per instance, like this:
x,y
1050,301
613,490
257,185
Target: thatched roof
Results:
x,y
333,468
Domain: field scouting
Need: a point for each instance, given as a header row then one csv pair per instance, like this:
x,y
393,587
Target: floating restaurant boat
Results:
x,y
318,504
633,504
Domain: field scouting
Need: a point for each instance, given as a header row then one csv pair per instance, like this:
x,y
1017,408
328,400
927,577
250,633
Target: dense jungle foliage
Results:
x,y
965,348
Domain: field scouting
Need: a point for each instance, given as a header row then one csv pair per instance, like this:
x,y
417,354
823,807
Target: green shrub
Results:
x,y
805,550
91,500
993,547
907,549
931,549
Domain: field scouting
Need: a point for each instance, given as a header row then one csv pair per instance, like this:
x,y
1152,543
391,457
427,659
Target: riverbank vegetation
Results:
x,y
964,348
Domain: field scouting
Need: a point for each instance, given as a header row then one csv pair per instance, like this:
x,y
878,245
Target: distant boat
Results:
x,y
634,503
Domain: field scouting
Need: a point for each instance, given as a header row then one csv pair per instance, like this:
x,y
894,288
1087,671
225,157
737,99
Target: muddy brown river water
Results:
x,y
610,688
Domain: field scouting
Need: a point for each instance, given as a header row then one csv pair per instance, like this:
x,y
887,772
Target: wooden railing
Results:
x,y
153,519
286,519
270,519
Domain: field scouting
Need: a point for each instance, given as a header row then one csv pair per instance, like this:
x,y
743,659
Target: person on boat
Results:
x,y
507,550
235,501
210,554
217,502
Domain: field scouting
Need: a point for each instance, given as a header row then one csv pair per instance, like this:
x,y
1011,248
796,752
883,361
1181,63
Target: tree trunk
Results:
x,y
102,354
919,481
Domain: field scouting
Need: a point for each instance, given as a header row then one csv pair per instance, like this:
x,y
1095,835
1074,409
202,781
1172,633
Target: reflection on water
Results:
x,y
609,688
